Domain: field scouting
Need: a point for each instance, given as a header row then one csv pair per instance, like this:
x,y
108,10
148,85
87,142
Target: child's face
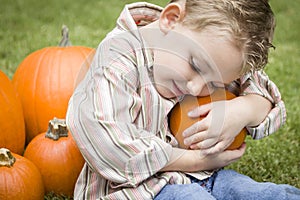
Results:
x,y
182,67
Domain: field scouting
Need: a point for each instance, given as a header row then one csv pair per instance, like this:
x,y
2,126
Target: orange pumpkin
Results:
x,y
46,79
179,120
19,178
12,127
57,157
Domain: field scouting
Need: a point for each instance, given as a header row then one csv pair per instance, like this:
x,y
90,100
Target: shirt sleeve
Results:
x,y
259,83
101,117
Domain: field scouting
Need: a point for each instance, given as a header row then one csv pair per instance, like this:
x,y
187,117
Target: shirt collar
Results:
x,y
136,15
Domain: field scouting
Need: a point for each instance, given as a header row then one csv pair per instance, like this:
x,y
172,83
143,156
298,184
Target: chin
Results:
x,y
164,92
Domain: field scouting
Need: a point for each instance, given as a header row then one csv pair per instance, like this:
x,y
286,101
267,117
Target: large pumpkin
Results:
x,y
57,157
19,178
45,80
179,120
12,127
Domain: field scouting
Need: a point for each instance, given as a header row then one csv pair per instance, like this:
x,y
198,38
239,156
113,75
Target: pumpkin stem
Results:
x,y
57,128
65,42
6,158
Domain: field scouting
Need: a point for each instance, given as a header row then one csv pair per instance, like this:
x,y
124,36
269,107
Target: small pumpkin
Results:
x,y
19,178
45,81
12,126
179,120
57,157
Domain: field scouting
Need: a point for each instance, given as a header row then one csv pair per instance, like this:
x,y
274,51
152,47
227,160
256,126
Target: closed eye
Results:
x,y
194,66
217,85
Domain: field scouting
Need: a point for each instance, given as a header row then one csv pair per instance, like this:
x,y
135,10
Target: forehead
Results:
x,y
218,53
209,49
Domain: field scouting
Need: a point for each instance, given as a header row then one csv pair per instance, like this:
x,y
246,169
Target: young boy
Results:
x,y
118,114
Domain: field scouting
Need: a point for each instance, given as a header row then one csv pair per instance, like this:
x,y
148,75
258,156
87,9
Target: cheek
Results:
x,y
161,73
168,58
169,66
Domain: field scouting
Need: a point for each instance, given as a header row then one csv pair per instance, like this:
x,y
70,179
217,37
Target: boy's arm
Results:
x,y
258,88
194,160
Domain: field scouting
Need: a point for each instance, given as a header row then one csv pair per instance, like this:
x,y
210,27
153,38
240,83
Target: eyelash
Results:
x,y
213,85
197,69
193,65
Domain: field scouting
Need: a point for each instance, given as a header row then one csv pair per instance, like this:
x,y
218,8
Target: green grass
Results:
x,y
27,26
276,158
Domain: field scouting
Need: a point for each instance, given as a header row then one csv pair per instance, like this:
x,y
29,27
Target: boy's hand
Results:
x,y
215,132
221,159
194,160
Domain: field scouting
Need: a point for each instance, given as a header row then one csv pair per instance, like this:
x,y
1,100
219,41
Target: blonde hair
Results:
x,y
250,24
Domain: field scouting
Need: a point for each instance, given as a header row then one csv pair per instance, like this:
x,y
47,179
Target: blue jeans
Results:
x,y
228,185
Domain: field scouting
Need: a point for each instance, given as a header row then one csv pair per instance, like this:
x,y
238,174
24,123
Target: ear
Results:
x,y
170,16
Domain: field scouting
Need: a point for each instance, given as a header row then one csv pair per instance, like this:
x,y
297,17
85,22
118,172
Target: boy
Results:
x,y
118,114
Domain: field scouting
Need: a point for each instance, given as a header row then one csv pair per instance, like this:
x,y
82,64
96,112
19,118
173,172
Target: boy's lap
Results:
x,y
191,191
228,185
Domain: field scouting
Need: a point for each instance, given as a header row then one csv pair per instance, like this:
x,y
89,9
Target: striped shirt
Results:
x,y
119,120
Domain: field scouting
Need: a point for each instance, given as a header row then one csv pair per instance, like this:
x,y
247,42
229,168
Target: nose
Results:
x,y
194,88
199,88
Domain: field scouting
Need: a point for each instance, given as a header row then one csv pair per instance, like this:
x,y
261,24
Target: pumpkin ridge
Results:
x,y
59,161
42,54
22,179
12,126
45,81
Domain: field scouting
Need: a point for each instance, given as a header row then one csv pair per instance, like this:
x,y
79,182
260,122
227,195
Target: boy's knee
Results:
x,y
233,185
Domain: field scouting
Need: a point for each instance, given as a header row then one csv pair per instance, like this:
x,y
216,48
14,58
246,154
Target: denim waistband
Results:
x,y
207,183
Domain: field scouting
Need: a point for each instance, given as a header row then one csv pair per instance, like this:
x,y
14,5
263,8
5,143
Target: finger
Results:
x,y
237,153
200,111
193,139
242,148
219,147
205,144
197,127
